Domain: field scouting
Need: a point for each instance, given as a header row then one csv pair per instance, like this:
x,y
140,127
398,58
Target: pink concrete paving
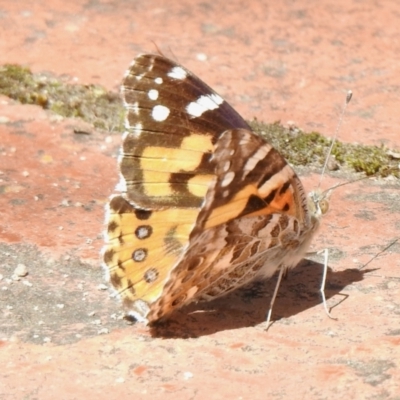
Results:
x,y
63,337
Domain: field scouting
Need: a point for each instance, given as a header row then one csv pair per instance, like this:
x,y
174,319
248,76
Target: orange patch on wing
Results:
x,y
198,141
169,160
198,185
283,204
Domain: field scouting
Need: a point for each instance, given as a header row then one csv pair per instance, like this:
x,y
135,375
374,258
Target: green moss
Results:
x,y
104,110
92,103
301,148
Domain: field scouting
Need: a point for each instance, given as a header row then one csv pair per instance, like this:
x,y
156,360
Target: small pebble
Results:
x,y
21,270
65,203
4,120
391,285
332,165
201,56
187,375
102,286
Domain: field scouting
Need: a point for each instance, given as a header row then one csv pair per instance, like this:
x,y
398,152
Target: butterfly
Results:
x,y
204,204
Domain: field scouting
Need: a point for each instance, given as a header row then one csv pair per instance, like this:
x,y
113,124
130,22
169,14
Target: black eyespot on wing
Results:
x,y
142,214
151,275
139,255
143,231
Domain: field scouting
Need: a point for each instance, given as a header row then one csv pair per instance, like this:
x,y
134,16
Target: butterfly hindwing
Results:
x,y
248,226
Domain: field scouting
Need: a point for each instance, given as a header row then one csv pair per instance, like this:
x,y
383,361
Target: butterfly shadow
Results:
x,y
248,306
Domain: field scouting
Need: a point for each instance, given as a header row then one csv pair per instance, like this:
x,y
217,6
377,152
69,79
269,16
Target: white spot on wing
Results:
x,y
217,99
228,178
203,104
121,186
285,174
158,80
133,107
177,73
153,94
194,109
226,166
260,154
160,113
244,141
137,129
126,133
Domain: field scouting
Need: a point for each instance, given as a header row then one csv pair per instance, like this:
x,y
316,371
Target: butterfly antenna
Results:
x,y
348,98
157,48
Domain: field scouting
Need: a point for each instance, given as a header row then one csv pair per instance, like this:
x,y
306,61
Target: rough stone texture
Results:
x,y
61,334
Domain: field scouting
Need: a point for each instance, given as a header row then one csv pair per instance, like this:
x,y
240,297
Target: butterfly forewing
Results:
x,y
173,121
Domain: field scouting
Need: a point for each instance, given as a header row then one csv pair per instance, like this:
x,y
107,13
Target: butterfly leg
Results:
x,y
281,273
322,288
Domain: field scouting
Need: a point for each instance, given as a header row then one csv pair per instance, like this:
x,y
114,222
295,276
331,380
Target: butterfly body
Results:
x,y
204,205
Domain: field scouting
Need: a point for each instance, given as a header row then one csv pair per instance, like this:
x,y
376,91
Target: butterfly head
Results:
x,y
318,203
